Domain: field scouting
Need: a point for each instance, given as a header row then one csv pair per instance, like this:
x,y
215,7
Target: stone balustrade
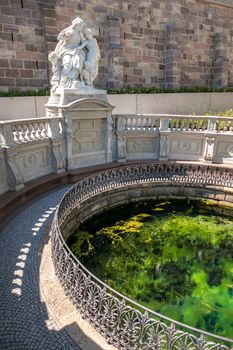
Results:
x,y
29,132
173,137
138,123
30,148
173,122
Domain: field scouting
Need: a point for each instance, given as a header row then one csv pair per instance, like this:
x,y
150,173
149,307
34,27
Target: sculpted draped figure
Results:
x,y
76,57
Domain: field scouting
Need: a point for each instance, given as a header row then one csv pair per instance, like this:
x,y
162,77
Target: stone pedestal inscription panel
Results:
x,y
87,136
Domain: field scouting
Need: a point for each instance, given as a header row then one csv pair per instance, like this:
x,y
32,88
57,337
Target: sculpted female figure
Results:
x,y
75,59
93,54
67,62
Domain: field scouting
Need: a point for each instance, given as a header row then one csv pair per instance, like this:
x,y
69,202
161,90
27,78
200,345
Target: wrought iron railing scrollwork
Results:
x,y
124,323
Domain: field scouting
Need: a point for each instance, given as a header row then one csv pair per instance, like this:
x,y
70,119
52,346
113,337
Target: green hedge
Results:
x,y
155,90
18,92
126,90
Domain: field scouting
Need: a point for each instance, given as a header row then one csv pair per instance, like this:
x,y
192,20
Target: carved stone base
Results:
x,y
64,96
87,128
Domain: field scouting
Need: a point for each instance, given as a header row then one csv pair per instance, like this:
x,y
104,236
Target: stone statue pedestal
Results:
x,y
87,126
64,96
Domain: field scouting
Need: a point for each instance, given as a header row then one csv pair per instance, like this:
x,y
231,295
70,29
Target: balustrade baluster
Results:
x,y
134,124
153,123
23,135
20,133
225,126
36,131
128,123
139,124
174,124
15,134
192,124
41,130
203,125
26,133
231,126
178,124
145,124
46,129
44,132
149,124
182,124
30,132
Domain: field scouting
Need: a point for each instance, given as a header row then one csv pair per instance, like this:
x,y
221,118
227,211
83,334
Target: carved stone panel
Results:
x,y
34,162
224,151
88,135
140,145
137,147
186,148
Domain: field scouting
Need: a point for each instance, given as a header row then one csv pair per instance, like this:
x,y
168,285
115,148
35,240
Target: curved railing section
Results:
x,y
124,323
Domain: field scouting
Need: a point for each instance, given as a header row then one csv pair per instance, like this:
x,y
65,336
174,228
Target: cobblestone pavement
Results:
x,y
25,322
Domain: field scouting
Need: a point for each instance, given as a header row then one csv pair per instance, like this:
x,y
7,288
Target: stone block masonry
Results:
x,y
159,43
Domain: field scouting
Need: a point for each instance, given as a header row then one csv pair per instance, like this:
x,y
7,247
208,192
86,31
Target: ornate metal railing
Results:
x,y
121,321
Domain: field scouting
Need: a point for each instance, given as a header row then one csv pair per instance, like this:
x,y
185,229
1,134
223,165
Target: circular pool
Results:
x,y
124,322
174,257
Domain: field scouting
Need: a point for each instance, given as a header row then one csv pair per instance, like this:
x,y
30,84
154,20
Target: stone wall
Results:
x,y
159,43
27,107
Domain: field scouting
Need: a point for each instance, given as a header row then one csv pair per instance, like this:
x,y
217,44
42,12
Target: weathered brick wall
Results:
x,y
163,43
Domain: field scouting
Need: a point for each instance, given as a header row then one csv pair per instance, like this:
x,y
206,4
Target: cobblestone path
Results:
x,y
25,321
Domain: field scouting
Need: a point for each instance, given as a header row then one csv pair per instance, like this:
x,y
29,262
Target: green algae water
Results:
x,y
174,257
